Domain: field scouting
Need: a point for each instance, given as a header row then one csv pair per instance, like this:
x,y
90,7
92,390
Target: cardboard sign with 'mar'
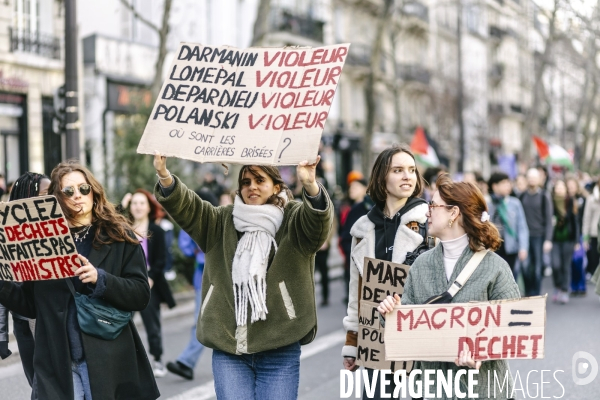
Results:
x,y
260,106
495,330
380,279
35,241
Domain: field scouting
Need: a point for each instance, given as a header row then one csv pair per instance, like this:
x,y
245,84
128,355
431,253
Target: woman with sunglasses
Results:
x,y
68,363
258,289
393,230
458,217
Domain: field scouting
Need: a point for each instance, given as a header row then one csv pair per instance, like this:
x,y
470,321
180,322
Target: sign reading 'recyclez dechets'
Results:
x,y
263,106
35,241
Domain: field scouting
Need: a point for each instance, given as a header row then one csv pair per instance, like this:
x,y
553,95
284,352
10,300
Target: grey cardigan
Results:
x,y
492,280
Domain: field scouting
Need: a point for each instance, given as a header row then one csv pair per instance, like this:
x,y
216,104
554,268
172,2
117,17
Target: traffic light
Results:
x,y
59,119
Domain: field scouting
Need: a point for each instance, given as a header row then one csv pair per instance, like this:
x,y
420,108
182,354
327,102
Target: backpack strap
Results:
x,y
466,273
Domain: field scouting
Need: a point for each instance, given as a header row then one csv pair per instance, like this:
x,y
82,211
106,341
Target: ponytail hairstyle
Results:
x,y
471,203
28,185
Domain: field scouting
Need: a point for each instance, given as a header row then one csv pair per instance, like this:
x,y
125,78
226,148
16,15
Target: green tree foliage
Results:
x,y
132,170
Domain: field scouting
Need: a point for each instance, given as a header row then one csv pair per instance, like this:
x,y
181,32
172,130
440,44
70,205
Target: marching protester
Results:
x,y
508,216
393,230
143,209
28,185
258,296
591,217
578,281
68,363
186,362
564,240
362,203
458,216
596,277
538,212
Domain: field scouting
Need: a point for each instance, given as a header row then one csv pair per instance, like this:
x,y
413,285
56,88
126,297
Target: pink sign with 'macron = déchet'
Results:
x,y
494,330
262,106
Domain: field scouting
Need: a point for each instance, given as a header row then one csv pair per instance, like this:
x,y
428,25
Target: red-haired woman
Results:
x,y
458,217
143,209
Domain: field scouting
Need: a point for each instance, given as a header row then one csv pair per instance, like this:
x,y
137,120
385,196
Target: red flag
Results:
x,y
419,144
542,147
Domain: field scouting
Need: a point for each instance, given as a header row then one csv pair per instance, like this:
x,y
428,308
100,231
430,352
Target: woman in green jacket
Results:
x,y
458,217
258,293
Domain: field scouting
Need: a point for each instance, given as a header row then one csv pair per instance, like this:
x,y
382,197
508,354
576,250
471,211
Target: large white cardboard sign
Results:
x,y
35,241
264,106
380,279
495,330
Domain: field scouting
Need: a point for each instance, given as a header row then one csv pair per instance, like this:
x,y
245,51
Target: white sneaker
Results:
x,y
159,369
170,275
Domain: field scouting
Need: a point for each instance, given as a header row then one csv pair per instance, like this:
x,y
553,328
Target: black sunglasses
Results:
x,y
84,189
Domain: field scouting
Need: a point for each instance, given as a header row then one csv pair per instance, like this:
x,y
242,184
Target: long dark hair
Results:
x,y
273,173
471,203
28,185
377,184
114,226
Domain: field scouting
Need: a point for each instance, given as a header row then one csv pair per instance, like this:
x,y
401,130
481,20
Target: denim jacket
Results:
x,y
517,222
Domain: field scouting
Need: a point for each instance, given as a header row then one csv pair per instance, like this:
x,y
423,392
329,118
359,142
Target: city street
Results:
x,y
570,328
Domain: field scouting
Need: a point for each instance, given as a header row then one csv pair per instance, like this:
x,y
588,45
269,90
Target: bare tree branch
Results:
x,y
137,15
372,77
261,23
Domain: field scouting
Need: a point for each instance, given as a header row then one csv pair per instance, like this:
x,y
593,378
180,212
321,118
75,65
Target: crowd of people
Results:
x,y
256,251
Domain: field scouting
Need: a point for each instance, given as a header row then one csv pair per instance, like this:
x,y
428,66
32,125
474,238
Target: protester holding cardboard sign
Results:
x,y
28,185
394,230
458,217
258,294
68,362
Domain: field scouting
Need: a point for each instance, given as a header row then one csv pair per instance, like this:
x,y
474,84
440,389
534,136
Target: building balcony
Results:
x,y
283,20
359,55
36,43
496,109
517,108
414,73
496,32
416,9
496,72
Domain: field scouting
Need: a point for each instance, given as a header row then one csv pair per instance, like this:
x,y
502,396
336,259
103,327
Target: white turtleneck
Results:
x,y
452,252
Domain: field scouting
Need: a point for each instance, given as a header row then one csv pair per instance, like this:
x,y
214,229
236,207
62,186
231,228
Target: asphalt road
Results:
x,y
571,328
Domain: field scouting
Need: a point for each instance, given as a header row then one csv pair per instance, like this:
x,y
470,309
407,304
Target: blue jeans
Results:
x,y
267,375
532,268
81,381
190,355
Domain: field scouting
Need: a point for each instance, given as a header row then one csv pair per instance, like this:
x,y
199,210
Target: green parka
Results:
x,y
291,305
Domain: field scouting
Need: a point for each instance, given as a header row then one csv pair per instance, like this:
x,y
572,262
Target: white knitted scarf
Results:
x,y
249,270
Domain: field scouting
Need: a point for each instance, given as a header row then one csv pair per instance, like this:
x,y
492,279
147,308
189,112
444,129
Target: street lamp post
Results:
x,y
460,101
71,95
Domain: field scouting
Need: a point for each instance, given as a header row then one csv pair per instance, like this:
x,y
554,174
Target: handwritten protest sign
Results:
x,y
35,241
495,330
380,279
263,106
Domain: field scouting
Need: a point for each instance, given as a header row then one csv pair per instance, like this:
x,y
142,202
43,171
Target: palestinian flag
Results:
x,y
424,153
553,154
